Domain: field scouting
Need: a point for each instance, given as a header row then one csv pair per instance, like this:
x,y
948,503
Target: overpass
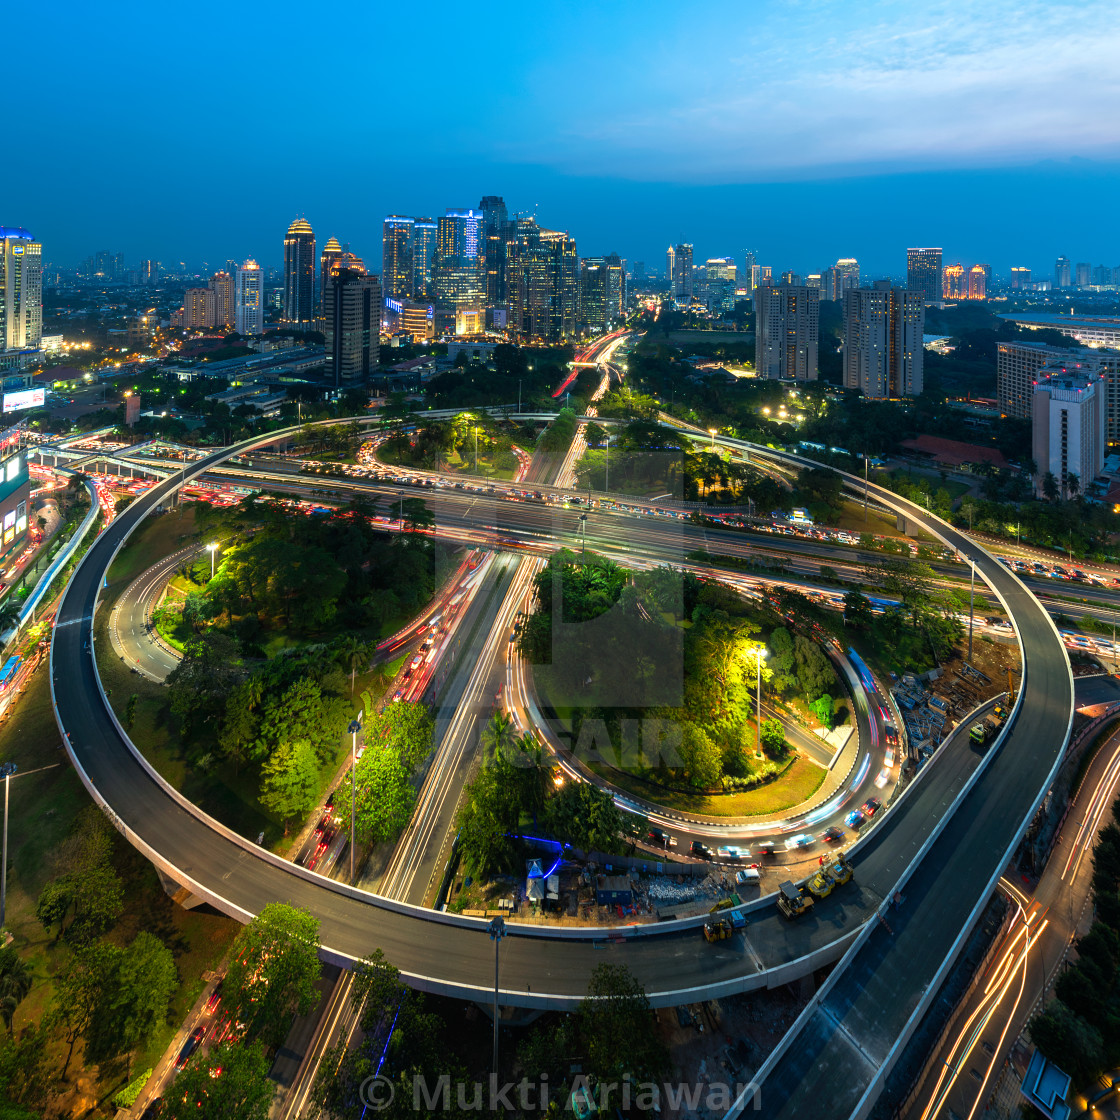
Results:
x,y
541,967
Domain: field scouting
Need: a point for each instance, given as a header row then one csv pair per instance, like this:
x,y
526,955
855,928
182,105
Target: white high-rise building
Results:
x,y
21,290
248,299
1068,428
883,352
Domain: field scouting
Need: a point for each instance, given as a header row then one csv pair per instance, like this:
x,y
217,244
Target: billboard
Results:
x,y
25,398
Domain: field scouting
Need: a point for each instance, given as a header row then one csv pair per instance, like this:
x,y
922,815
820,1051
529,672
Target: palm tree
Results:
x,y
15,983
9,616
352,649
497,733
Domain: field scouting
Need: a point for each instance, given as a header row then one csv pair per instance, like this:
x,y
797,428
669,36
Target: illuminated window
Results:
x,y
13,467
21,524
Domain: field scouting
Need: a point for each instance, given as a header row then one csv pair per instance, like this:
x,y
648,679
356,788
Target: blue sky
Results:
x,y
807,129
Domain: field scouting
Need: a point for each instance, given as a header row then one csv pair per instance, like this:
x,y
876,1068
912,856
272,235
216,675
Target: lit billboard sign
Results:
x,y
25,398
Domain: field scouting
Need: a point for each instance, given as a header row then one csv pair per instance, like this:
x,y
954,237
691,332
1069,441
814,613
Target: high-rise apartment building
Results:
x,y
978,281
883,352
838,279
923,273
397,272
352,322
248,298
954,282
787,324
424,232
1020,278
221,284
543,279
21,290
678,264
1083,274
327,260
299,275
1067,428
1063,273
199,309
149,273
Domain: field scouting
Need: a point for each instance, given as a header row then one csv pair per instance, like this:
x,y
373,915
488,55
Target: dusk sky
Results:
x,y
806,130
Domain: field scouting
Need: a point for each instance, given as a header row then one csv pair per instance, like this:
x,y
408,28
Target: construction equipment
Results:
x,y
1010,688
727,903
829,877
717,931
791,902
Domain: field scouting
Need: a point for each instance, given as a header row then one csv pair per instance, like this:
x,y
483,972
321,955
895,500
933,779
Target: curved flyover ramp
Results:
x,y
452,954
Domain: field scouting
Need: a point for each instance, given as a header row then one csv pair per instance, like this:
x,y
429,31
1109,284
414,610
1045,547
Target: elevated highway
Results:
x,y
453,955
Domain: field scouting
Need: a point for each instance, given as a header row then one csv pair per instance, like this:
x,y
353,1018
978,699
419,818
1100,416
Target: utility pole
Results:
x,y
354,728
608,482
971,600
497,931
865,487
10,769
760,657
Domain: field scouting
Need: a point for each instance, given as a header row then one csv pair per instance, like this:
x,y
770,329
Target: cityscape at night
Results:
x,y
561,561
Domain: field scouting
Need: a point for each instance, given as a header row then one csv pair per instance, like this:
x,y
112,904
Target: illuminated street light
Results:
x,y
212,549
712,433
760,657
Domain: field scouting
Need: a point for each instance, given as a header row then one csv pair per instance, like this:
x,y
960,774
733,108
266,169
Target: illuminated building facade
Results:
x,y
21,290
397,275
352,320
424,233
954,283
883,353
543,278
923,273
1020,278
248,299
978,281
298,309
787,326
15,494
221,284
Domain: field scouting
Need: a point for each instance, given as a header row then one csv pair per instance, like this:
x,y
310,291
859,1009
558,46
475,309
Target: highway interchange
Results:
x,y
541,968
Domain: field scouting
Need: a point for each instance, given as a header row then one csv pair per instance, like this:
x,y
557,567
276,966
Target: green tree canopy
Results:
x,y
243,1090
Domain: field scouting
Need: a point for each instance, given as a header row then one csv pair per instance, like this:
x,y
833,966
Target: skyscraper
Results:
x,y
593,294
352,323
543,276
299,275
199,308
883,352
495,218
923,273
1068,427
327,259
954,282
21,290
1020,277
1063,272
248,299
149,273
750,260
424,231
457,266
679,267
396,257
978,281
787,325
221,284
1084,274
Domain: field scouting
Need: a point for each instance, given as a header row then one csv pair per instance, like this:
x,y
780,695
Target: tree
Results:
x,y
586,816
497,733
822,709
78,989
15,983
244,1088
275,965
92,896
857,611
409,728
1073,484
290,781
9,615
25,1073
1050,489
200,685
385,796
1068,1041
617,1031
773,738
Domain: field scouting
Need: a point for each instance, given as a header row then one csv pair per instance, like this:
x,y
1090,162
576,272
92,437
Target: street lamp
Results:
x,y
583,530
497,930
760,657
607,485
354,728
971,599
9,770
212,548
712,433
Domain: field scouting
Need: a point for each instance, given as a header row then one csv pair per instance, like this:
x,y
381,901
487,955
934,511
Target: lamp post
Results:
x,y
497,930
212,548
865,487
354,728
583,531
9,770
971,600
607,485
760,656
712,433
476,449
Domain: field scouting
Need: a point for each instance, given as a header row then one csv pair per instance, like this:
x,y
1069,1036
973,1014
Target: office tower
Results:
x,y
978,281
765,275
954,282
720,283
327,259
495,220
542,275
593,294
396,257
298,298
750,261
200,308
787,322
424,232
149,273
1063,272
248,299
616,288
678,264
923,273
1067,427
847,272
21,290
457,274
221,284
791,278
1020,278
1083,274
352,314
883,352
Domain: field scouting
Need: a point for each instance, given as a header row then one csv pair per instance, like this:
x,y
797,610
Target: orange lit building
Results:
x,y
954,284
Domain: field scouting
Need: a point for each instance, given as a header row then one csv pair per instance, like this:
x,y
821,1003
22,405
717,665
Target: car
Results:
x,y
190,1046
700,851
398,695
661,838
855,818
154,1109
747,876
802,840
833,834
733,854
765,848
871,806
882,778
215,996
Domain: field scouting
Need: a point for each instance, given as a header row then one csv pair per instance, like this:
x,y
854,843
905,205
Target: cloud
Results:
x,y
816,87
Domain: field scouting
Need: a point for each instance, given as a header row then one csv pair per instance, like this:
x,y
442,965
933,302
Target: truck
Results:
x,y
981,733
791,902
831,875
718,930
728,903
